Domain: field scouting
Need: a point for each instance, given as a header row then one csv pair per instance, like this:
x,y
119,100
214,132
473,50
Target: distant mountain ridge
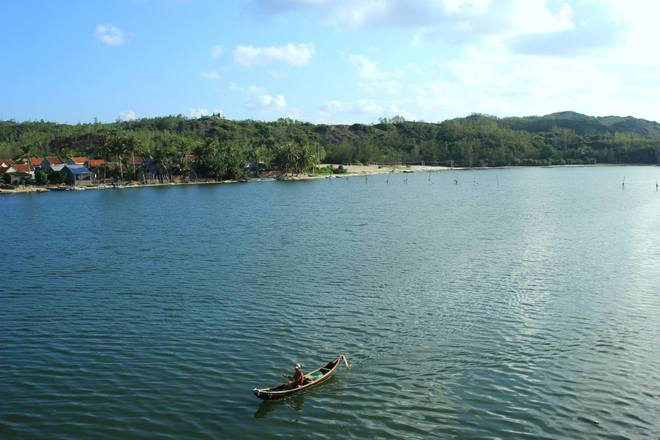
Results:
x,y
580,123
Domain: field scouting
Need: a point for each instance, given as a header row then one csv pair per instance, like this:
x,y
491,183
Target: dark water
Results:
x,y
517,304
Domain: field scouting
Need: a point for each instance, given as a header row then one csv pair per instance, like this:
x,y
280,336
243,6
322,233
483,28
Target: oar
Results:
x,y
343,356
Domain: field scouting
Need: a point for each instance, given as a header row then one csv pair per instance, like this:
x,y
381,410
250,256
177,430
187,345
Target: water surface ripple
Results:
x,y
517,303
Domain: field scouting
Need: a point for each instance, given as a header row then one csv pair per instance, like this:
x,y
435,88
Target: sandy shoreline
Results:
x,y
367,170
351,170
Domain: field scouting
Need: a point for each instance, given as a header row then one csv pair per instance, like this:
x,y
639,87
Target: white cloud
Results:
x,y
496,80
128,115
403,13
260,98
291,54
373,78
202,112
110,35
504,57
366,68
210,75
364,106
368,106
199,112
553,25
216,51
336,105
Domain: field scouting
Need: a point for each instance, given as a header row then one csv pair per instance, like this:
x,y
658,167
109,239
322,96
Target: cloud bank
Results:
x,y
290,54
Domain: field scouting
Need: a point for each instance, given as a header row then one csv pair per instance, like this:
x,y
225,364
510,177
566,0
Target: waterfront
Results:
x,y
515,303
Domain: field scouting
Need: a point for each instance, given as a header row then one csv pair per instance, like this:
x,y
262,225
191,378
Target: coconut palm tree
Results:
x,y
116,145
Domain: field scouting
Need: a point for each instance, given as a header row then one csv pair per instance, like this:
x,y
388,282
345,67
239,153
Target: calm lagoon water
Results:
x,y
518,303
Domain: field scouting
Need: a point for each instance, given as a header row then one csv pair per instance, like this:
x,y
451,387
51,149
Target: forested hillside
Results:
x,y
559,138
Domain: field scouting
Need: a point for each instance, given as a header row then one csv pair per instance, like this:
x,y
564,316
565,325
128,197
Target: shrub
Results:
x,y
41,177
339,170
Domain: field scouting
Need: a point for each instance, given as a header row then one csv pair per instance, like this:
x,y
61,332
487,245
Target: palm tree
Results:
x,y
134,144
294,158
27,150
116,145
183,160
28,141
162,158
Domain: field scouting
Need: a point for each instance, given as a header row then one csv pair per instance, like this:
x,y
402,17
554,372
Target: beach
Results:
x,y
351,171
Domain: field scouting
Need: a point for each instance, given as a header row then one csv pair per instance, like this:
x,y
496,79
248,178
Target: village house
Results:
x,y
94,163
77,160
37,162
98,168
138,162
52,163
19,174
4,165
78,175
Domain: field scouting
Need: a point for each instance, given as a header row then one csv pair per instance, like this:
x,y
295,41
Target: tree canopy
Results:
x,y
223,146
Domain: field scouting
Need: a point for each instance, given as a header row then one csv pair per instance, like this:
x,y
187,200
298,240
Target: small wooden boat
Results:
x,y
312,378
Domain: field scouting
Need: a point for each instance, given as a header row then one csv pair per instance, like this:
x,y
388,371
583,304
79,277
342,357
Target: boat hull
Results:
x,y
314,378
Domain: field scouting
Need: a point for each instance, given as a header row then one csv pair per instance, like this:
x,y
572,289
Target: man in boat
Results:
x,y
298,376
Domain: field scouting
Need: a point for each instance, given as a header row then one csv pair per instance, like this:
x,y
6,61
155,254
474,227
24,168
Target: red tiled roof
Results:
x,y
21,167
138,160
54,160
78,160
95,163
37,161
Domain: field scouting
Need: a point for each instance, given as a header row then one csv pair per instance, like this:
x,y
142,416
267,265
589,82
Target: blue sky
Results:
x,y
327,60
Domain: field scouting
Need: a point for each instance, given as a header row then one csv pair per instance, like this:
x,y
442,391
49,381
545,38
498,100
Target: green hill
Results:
x,y
557,138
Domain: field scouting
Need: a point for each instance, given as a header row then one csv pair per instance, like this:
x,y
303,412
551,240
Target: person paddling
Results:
x,y
298,376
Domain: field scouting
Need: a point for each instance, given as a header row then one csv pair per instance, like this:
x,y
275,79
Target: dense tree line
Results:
x,y
221,147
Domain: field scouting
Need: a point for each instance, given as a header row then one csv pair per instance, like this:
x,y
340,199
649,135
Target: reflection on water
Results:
x,y
294,402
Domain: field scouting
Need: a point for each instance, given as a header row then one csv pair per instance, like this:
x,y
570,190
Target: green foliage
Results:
x,y
222,161
40,177
324,171
294,158
57,177
222,147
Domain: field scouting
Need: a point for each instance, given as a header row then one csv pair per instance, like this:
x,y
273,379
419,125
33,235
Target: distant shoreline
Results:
x,y
351,171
